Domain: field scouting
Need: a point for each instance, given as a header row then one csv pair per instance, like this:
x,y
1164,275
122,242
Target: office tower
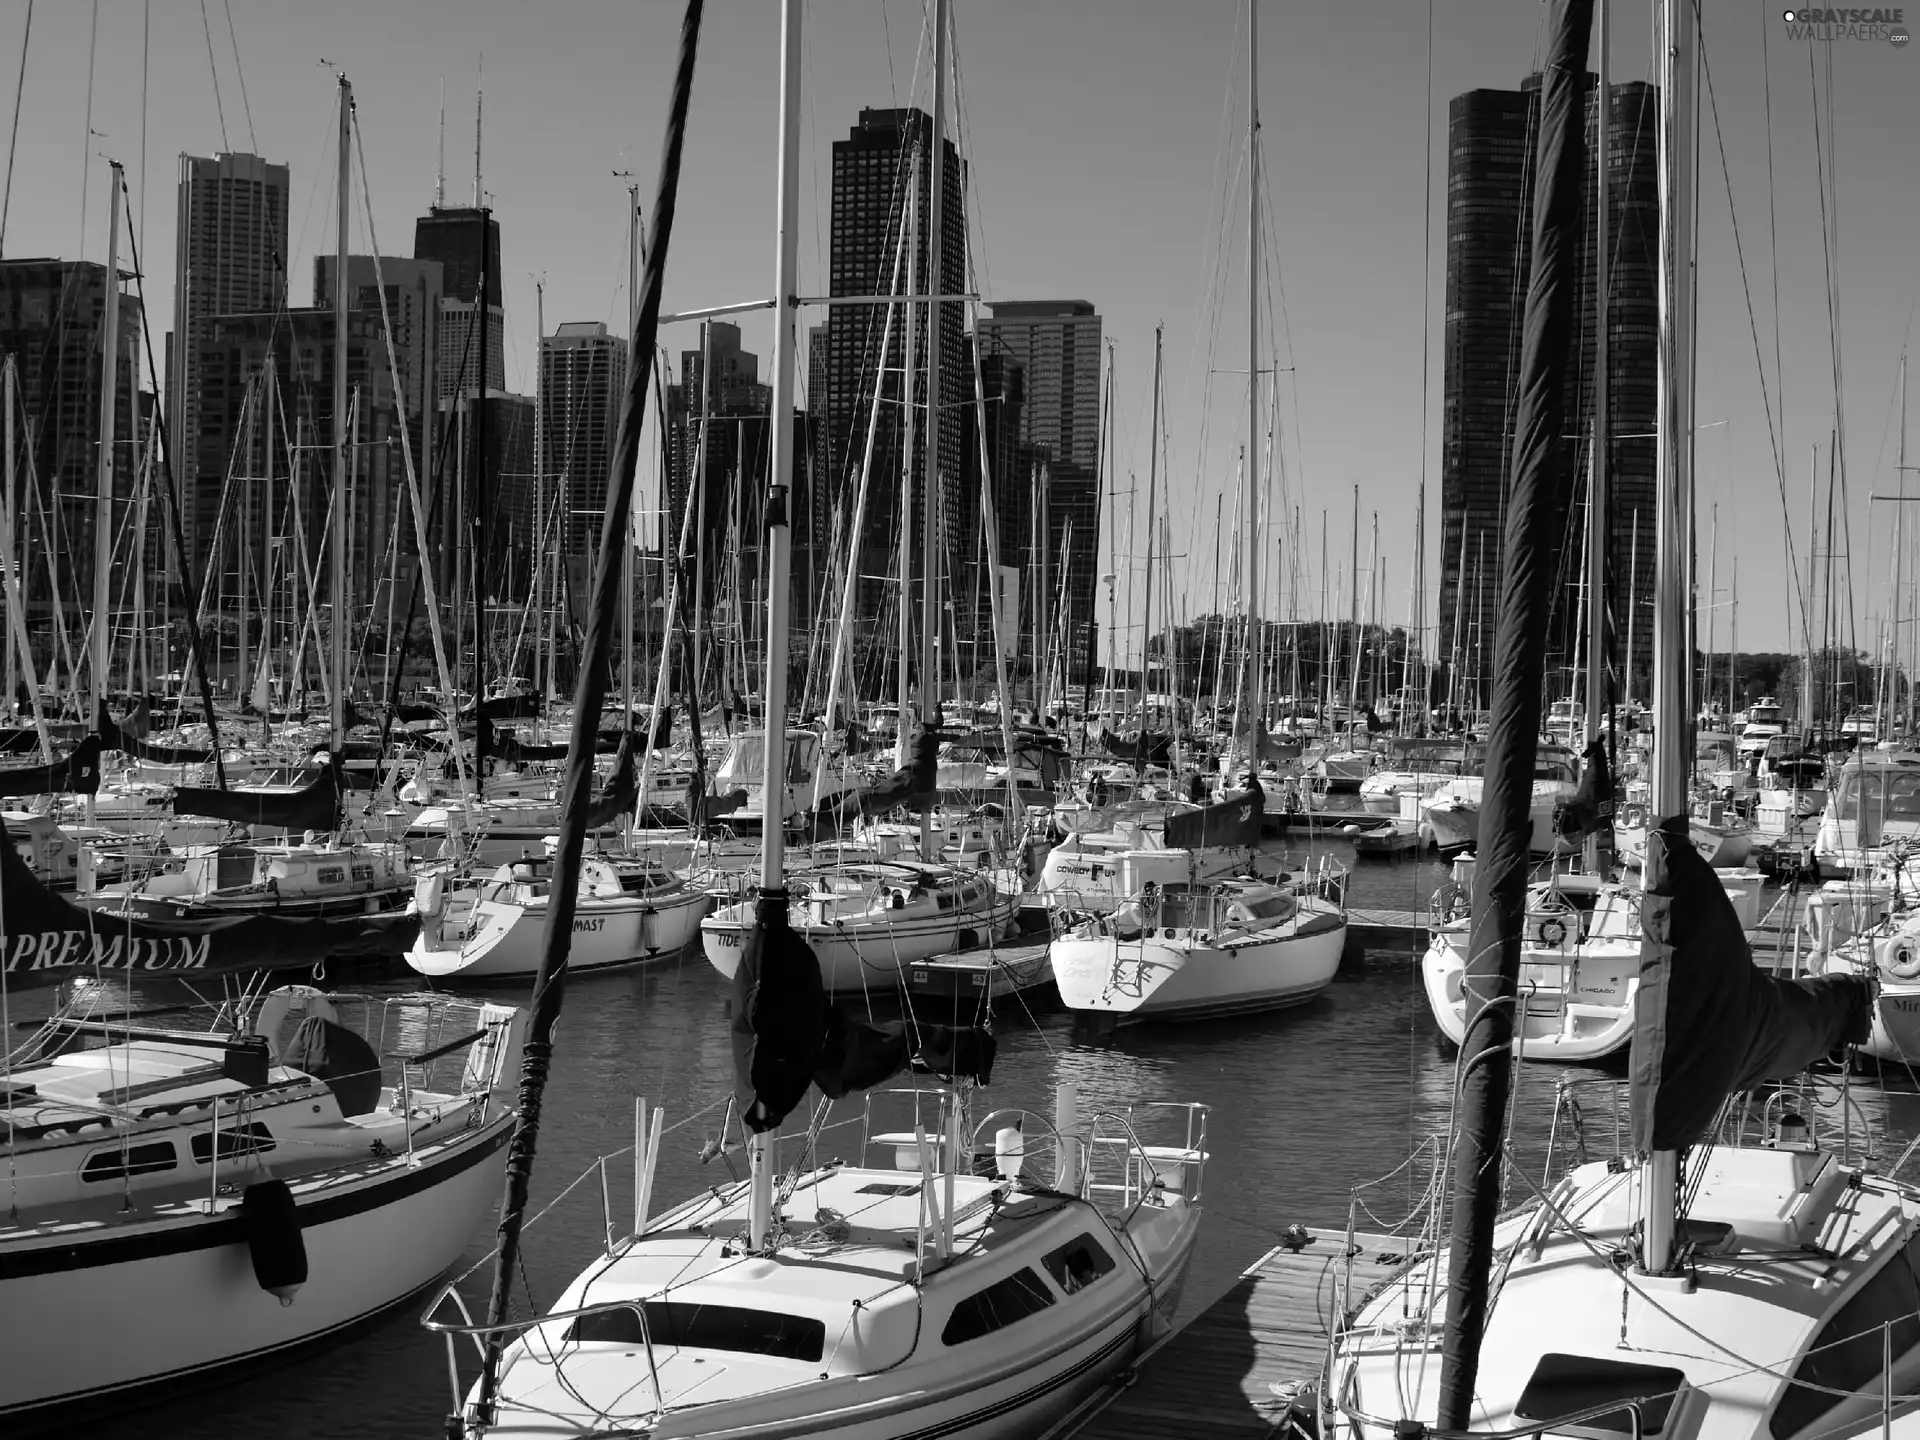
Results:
x,y
1057,343
872,171
1490,174
51,312
230,259
466,242
583,374
414,290
271,510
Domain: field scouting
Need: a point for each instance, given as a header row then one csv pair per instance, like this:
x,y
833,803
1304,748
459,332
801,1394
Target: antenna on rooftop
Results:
x,y
479,98
440,171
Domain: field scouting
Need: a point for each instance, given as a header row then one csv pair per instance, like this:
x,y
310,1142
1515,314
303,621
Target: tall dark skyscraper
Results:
x,y
230,257
1491,142
873,169
1057,343
51,314
736,453
583,374
466,242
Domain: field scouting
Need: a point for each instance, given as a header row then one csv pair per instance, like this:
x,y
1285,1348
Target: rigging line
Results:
x,y
218,108
1821,143
240,70
13,142
86,131
146,39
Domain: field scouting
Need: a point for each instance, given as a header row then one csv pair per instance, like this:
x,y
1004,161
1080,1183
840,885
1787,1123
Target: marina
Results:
x,y
854,862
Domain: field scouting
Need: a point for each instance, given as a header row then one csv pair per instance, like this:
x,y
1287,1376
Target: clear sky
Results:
x,y
1106,139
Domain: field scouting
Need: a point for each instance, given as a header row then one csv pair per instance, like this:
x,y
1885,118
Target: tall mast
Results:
x,y
103,470
1250,532
1598,506
543,538
779,538
337,568
626,546
1353,614
1672,749
930,490
1153,479
903,741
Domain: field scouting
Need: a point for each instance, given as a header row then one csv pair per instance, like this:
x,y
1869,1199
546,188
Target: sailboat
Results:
x,y
1695,1285
923,1296
1180,944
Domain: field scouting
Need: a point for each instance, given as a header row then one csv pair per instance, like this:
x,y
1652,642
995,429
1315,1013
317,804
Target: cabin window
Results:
x,y
1002,1303
134,1160
1079,1263
1847,1354
1568,1384
331,874
235,1141
707,1327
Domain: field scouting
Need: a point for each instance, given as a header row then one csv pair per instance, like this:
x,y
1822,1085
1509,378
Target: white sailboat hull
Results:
x,y
1180,977
1576,1005
90,1313
502,941
855,956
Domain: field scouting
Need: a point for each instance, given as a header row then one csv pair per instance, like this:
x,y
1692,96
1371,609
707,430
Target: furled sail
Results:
x,y
1708,1021
786,1037
1590,811
621,795
314,806
913,786
77,774
45,938
1232,821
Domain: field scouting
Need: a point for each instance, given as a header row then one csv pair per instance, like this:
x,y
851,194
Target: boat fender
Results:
x,y
1900,959
430,894
1632,817
1551,932
273,1238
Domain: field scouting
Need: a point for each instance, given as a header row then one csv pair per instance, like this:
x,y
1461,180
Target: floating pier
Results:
x,y
1214,1374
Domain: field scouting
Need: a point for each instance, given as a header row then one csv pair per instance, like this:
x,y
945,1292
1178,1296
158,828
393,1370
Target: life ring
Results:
x,y
1632,817
1551,932
281,1003
1900,958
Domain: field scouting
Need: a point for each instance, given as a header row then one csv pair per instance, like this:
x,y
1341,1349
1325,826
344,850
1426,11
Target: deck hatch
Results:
x,y
1565,1384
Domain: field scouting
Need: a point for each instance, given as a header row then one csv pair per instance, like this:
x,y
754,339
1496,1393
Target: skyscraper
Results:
x,y
1057,343
583,374
873,170
414,290
51,312
1491,146
736,444
230,258
466,242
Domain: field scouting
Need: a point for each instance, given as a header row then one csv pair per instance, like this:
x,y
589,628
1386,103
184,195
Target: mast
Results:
x,y
1353,616
1672,489
590,692
773,892
1244,724
1153,479
1600,456
103,468
337,512
903,740
1528,565
626,546
546,537
930,490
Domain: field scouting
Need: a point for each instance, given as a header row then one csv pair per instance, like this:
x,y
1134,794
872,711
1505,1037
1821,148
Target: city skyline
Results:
x,y
1124,196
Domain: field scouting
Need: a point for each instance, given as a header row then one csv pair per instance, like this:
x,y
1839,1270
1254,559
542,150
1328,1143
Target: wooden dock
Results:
x,y
1402,932
1213,1376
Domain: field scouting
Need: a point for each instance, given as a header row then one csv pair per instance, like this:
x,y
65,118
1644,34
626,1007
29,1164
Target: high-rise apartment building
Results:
x,y
230,258
736,410
1490,173
583,375
1057,344
414,290
51,314
874,168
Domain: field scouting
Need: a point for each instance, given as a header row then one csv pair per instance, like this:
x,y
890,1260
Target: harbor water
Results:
x,y
1305,1104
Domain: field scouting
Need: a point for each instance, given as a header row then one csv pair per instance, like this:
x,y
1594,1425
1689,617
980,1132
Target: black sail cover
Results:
x,y
786,1037
621,795
313,806
78,773
1232,821
1590,811
129,738
1708,1022
913,786
1146,747
46,938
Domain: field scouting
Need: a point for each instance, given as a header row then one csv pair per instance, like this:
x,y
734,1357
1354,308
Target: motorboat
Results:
x,y
1766,721
814,780
626,912
256,1184
1198,952
945,1290
1453,810
314,876
1873,809
1419,766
